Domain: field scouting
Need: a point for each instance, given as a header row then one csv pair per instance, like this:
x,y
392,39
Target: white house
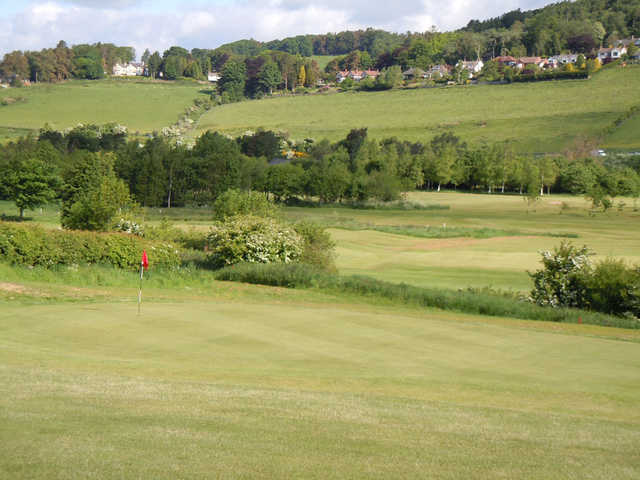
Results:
x,y
213,76
128,70
610,54
471,67
563,59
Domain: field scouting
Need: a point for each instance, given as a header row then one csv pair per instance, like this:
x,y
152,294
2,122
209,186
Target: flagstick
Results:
x,y
140,289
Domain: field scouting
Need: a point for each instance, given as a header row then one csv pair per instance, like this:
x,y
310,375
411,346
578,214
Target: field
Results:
x,y
538,117
227,380
322,60
142,106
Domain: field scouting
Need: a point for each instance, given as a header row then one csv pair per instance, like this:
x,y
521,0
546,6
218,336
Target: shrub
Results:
x,y
318,248
561,282
239,202
252,239
34,246
568,279
614,288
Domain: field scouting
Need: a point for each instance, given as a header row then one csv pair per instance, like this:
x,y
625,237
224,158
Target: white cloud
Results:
x,y
128,22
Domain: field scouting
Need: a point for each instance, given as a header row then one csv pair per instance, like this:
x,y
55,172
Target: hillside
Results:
x,y
141,105
539,117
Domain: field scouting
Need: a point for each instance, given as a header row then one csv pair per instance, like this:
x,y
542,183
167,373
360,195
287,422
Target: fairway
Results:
x,y
142,106
499,262
536,117
284,389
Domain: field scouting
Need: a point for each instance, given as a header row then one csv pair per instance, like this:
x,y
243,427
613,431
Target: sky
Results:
x,y
159,24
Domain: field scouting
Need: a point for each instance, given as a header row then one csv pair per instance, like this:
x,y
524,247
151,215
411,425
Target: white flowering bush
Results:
x,y
562,280
129,226
252,239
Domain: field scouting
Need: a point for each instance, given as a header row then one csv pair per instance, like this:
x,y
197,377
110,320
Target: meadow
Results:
x,y
535,117
228,380
141,105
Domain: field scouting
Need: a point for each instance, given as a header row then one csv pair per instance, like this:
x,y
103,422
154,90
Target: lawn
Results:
x,y
143,106
537,117
255,382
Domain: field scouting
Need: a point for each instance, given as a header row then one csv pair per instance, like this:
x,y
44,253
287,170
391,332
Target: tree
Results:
x,y
146,56
269,77
302,76
30,182
232,81
154,65
92,195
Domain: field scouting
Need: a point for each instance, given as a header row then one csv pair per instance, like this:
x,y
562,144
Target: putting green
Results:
x,y
289,389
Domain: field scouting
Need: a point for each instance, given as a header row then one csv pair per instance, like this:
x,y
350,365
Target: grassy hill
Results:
x,y
141,105
538,117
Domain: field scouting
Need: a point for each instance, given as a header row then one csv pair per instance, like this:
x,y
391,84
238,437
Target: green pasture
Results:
x,y
536,117
143,106
237,381
322,60
626,136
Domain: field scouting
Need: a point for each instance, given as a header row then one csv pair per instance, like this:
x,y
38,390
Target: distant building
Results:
x,y
606,55
213,76
564,59
524,62
130,69
438,71
506,60
472,67
356,75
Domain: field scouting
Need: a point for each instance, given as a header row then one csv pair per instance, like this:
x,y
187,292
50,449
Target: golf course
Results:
x,y
220,379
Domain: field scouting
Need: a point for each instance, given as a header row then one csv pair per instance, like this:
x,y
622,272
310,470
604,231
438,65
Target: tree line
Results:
x,y
63,62
581,27
97,171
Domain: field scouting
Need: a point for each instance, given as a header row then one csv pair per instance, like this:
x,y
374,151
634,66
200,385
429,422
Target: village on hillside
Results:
x,y
470,69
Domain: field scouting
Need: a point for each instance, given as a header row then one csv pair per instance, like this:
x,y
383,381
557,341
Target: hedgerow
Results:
x,y
35,246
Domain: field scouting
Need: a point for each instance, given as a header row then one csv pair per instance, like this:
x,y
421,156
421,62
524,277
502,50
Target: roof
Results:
x,y
527,60
505,59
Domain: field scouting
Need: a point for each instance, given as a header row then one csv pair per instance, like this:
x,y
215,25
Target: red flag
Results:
x,y
145,260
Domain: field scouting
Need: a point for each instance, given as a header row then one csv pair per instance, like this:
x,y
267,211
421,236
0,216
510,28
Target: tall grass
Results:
x,y
481,302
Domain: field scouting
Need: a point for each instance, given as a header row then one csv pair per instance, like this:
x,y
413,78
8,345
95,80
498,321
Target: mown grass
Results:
x,y
142,106
538,117
291,388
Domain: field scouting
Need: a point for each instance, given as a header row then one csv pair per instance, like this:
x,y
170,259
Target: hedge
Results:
x,y
35,246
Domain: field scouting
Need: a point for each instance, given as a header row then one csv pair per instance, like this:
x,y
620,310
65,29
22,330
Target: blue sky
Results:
x,y
158,24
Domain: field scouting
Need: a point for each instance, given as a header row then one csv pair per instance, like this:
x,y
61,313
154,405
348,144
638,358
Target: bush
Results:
x,y
614,288
568,279
35,246
318,248
252,239
239,202
561,282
